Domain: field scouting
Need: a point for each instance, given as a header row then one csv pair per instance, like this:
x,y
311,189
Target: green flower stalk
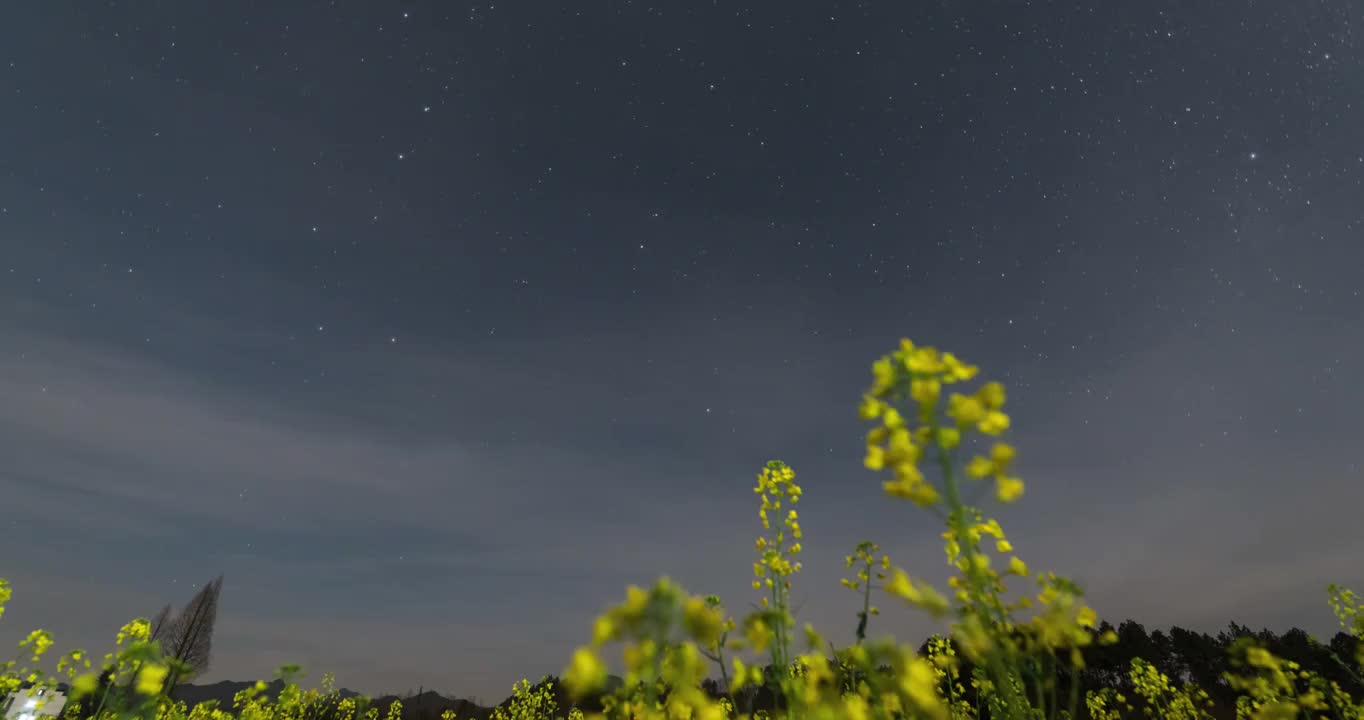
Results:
x,y
716,652
871,568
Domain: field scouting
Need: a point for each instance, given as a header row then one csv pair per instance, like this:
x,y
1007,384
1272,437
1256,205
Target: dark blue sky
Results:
x,y
433,329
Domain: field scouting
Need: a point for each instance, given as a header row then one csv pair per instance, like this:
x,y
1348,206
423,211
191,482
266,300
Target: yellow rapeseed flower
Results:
x,y
871,408
759,635
992,395
138,629
920,493
84,684
855,707
876,457
994,423
966,410
703,622
636,600
924,361
919,683
892,419
585,673
603,630
1008,489
151,678
979,467
883,377
39,641
958,371
923,596
901,447
925,391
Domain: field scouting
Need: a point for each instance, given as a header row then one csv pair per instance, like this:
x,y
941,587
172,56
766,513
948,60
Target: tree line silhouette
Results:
x,y
1182,655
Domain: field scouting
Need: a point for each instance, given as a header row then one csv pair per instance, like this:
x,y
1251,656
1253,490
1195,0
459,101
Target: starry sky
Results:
x,y
433,327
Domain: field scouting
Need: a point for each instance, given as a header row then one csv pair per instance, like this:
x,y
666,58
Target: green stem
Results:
x,y
866,608
720,660
951,692
976,584
1074,690
1041,697
1051,682
105,696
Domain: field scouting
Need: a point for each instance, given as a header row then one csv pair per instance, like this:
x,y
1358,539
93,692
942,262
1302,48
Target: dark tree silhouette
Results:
x,y
1203,657
189,637
1344,645
160,624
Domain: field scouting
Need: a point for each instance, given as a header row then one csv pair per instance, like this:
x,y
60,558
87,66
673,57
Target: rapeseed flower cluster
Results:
x,y
768,630
777,487
659,629
916,375
1274,688
527,703
985,628
947,668
1155,693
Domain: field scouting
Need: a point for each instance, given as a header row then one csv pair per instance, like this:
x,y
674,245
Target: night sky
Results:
x,y
434,327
